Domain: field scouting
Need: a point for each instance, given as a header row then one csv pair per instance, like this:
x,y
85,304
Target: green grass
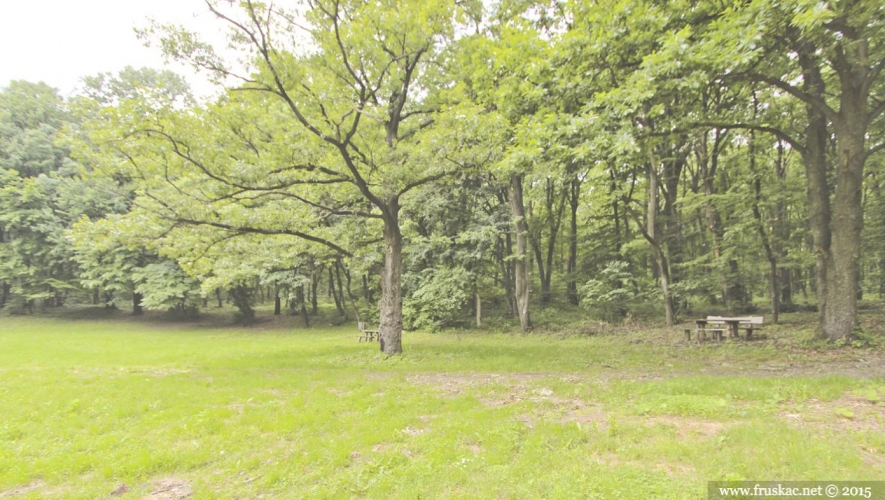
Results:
x,y
273,412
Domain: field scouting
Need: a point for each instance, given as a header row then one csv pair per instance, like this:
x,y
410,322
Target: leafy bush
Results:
x,y
612,294
165,286
439,299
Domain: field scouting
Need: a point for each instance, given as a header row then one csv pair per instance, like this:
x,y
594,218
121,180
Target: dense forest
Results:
x,y
416,163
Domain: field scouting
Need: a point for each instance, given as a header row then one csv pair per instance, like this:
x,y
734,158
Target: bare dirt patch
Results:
x,y
848,413
456,383
685,427
613,460
22,490
169,489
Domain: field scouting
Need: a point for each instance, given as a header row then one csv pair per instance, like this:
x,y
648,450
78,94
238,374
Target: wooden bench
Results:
x,y
722,324
367,335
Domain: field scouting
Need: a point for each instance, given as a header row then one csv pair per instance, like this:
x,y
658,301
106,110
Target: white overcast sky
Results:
x,y
60,41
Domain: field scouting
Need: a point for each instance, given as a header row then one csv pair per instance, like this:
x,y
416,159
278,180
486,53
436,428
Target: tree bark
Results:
x,y
774,287
302,305
4,294
660,258
391,283
337,295
574,196
521,289
137,310
544,257
314,284
342,299
840,315
277,302
478,307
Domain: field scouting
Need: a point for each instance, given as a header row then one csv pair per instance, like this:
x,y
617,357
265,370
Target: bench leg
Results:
x,y
687,335
749,333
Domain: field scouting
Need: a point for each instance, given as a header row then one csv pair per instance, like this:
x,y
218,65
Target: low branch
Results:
x,y
819,104
258,230
780,134
875,149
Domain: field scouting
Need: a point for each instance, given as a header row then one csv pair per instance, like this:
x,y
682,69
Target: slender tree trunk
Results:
x,y
137,310
478,306
774,287
727,271
814,158
277,302
356,310
368,293
517,210
314,284
4,294
337,295
660,258
572,285
341,297
302,305
391,283
218,296
509,275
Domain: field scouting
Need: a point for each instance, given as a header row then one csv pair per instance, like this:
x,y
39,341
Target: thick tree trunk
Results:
x,y
517,211
574,196
840,314
391,283
137,310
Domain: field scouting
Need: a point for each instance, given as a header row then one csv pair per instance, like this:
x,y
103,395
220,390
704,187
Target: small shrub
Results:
x,y
439,299
612,293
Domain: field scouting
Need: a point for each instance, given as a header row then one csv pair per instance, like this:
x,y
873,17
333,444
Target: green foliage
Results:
x,y
611,295
164,285
439,298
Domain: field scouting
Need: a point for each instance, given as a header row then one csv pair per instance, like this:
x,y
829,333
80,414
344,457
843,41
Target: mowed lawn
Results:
x,y
188,411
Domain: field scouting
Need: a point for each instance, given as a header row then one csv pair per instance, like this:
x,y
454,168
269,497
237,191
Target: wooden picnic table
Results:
x,y
367,335
732,326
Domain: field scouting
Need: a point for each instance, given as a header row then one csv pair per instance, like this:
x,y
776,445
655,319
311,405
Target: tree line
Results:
x,y
420,160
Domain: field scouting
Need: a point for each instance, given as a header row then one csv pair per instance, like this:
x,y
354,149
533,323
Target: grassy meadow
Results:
x,y
124,408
